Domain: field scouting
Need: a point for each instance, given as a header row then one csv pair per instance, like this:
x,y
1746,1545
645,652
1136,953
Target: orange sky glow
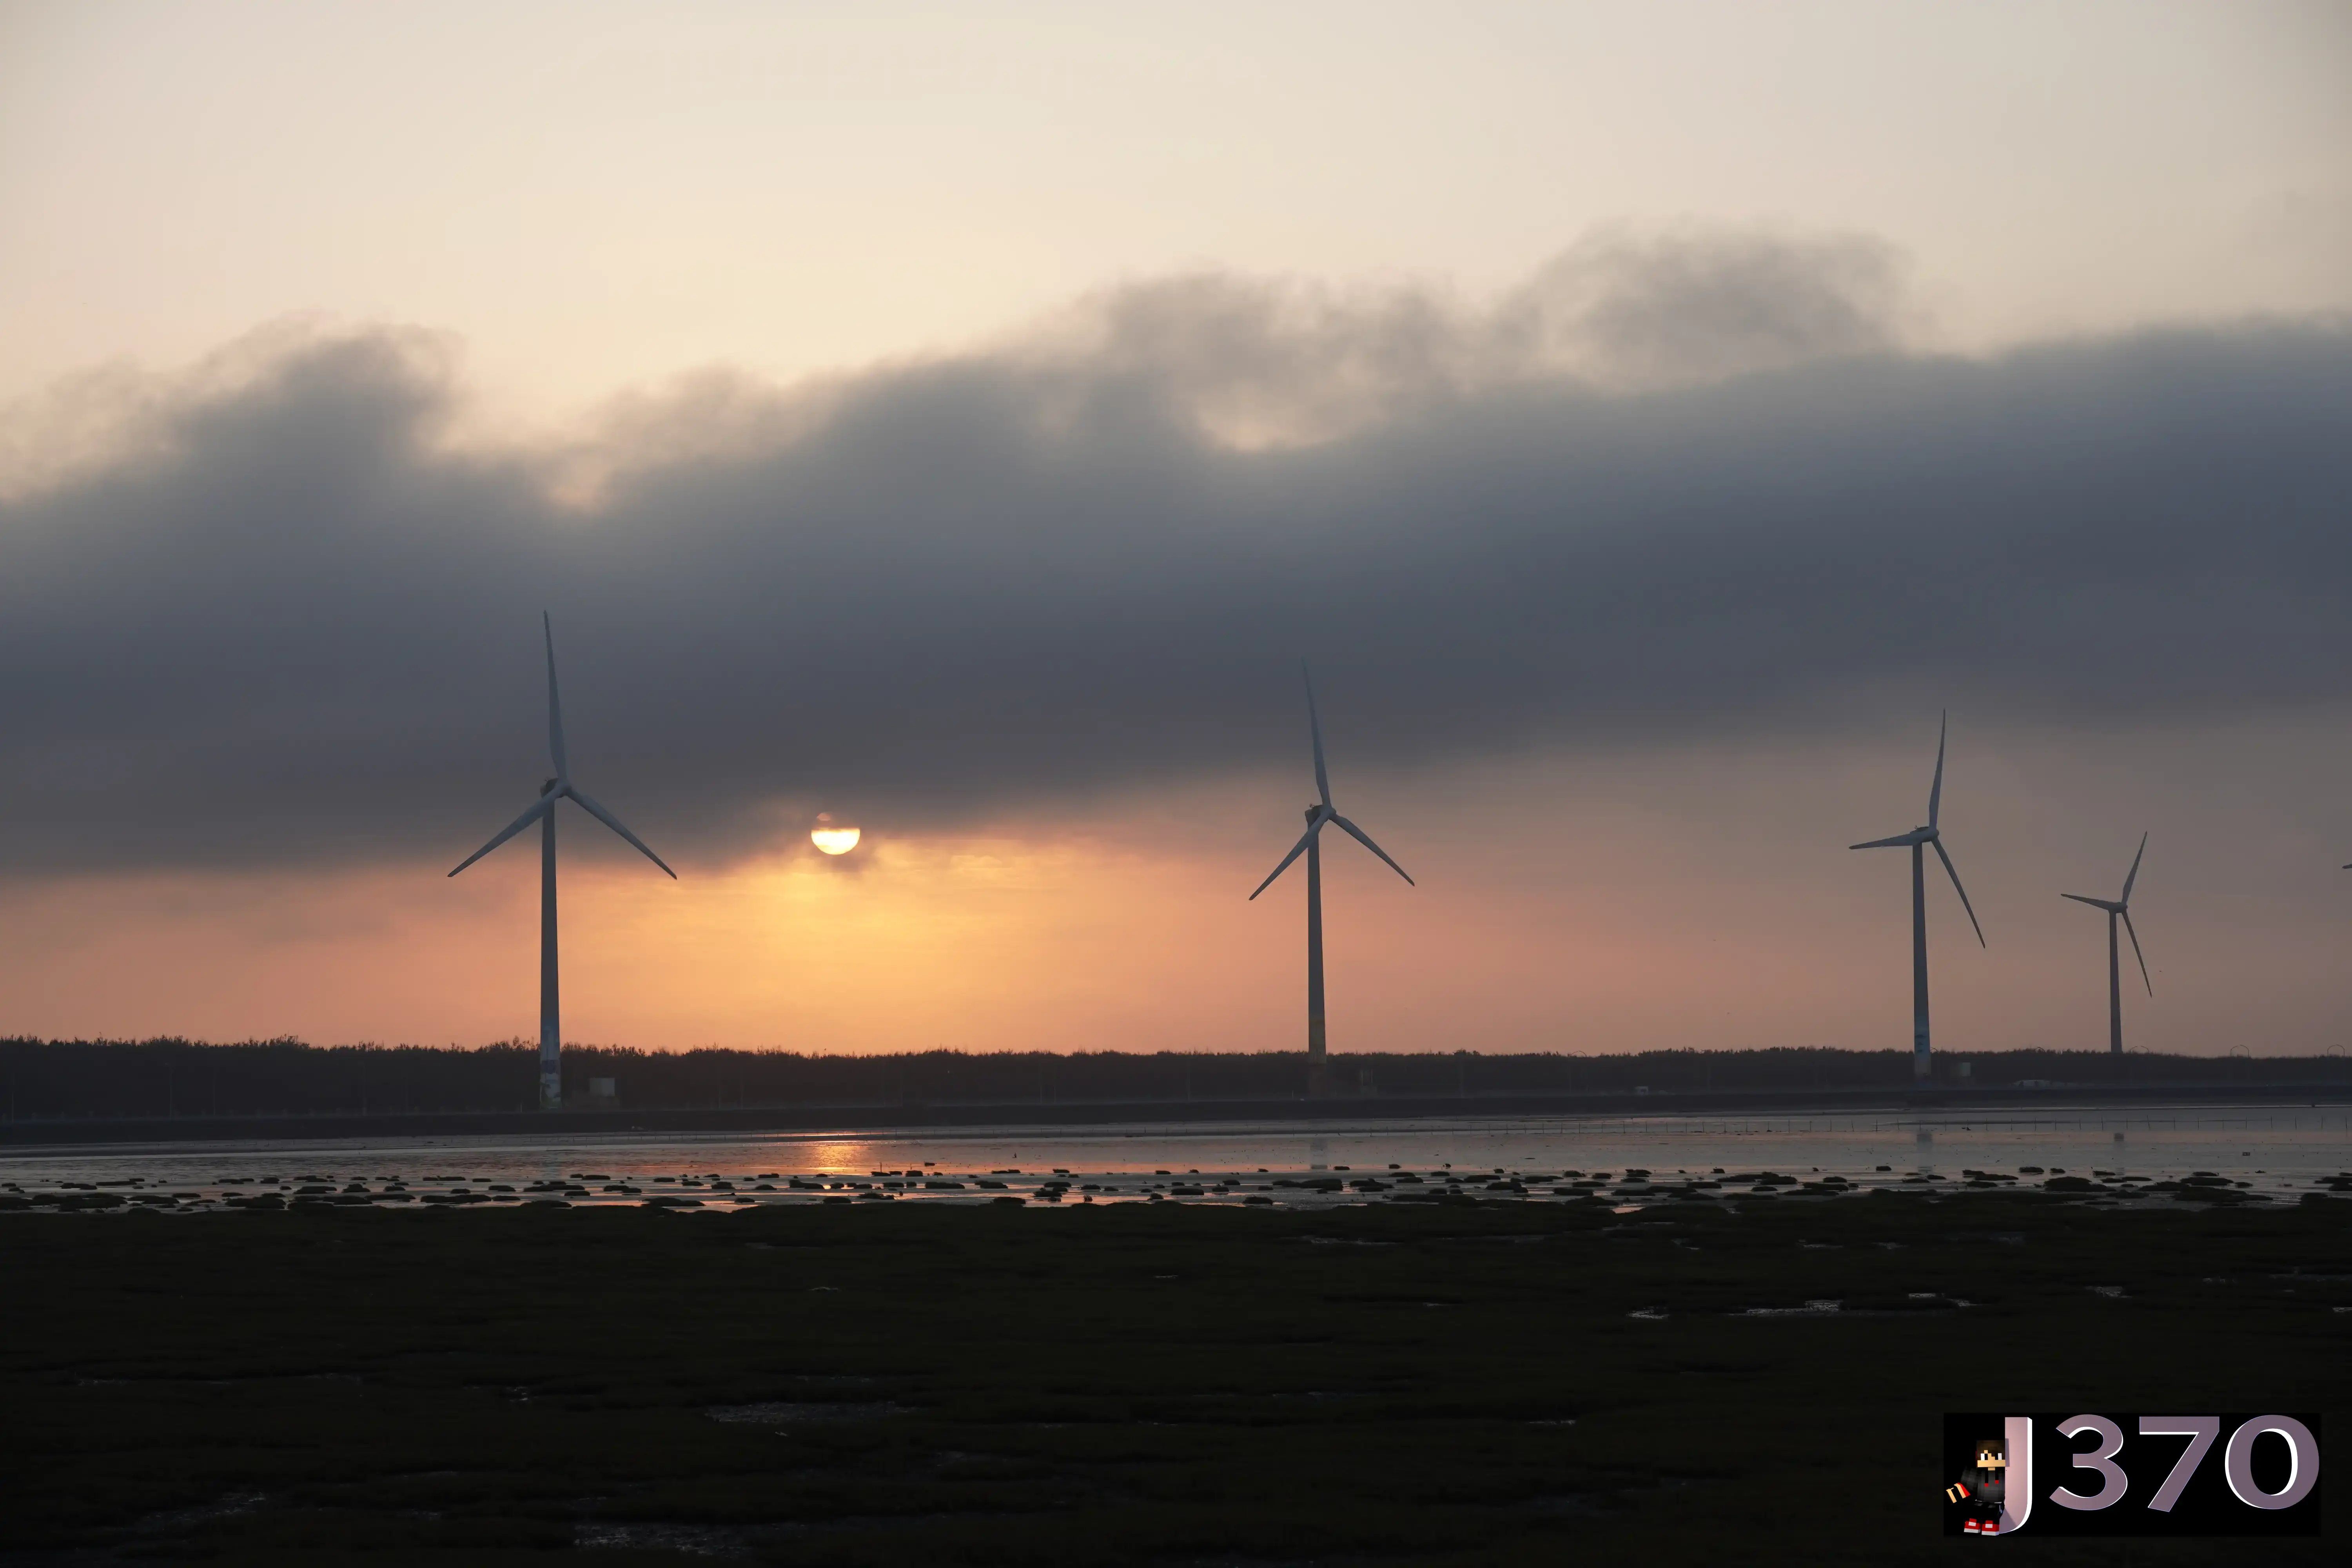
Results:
x,y
1559,908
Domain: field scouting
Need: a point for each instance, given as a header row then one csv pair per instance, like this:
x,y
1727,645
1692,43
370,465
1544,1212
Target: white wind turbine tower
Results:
x,y
2120,908
542,811
1310,844
1916,841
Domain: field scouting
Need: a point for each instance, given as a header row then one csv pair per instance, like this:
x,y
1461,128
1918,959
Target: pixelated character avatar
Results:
x,y
1979,1491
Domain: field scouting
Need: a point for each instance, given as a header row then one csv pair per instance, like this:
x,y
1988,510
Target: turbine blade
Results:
x,y
2094,903
1900,841
1360,836
554,707
1963,893
2144,980
1936,790
2135,871
609,820
1295,851
539,808
1315,725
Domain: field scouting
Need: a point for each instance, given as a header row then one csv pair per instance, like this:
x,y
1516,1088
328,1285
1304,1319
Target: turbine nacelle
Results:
x,y
1901,840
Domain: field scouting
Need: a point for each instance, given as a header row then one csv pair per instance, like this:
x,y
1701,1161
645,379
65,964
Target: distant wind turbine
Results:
x,y
1310,844
2121,910
1916,841
542,811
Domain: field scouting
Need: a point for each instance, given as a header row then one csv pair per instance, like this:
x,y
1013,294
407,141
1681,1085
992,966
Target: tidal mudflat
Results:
x,y
2271,1152
1484,1378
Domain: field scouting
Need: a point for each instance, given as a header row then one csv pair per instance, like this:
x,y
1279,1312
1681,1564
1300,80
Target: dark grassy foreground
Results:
x,y
1118,1384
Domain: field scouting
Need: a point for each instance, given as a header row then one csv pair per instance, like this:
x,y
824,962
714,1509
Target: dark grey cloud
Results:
x,y
290,625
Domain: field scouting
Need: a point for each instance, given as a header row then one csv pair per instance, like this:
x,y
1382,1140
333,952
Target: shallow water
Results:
x,y
2278,1149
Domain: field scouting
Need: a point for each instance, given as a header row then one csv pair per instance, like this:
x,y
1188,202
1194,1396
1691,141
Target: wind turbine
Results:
x,y
542,811
2120,909
1916,841
1310,844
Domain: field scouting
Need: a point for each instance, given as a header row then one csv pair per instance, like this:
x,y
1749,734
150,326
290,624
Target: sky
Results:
x,y
1648,420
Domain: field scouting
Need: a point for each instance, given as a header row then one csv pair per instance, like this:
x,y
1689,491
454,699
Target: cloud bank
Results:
x,y
1673,484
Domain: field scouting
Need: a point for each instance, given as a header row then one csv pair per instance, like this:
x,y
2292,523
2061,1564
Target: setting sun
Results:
x,y
831,837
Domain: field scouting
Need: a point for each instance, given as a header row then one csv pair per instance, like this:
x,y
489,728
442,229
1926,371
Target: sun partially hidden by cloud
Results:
x,y
833,837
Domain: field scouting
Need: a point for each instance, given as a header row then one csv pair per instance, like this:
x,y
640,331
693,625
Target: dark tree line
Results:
x,y
50,1079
